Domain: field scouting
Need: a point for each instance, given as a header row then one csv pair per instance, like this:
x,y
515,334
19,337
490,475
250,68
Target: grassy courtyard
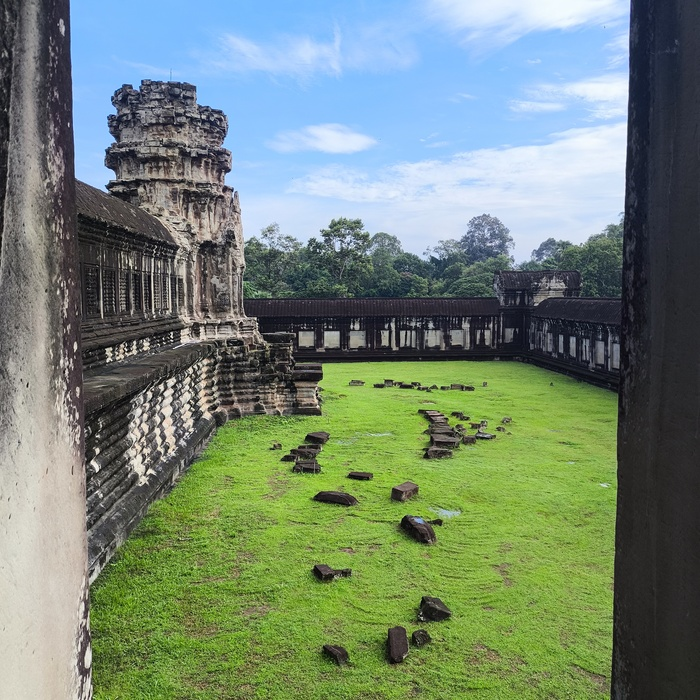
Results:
x,y
213,596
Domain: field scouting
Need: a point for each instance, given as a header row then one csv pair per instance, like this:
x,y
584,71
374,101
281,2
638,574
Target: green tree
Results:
x,y
486,237
549,253
476,280
269,260
599,260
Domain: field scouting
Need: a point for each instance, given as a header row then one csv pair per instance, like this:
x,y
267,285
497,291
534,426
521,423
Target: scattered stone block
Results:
x,y
500,429
475,426
404,491
438,521
420,638
444,388
485,384
433,387
406,386
419,529
302,454
320,438
324,573
469,440
276,446
484,423
415,383
397,645
456,414
310,466
379,386
445,442
433,610
506,419
458,387
361,476
469,387
336,653
484,436
289,458
356,382
310,448
337,497
437,453
388,382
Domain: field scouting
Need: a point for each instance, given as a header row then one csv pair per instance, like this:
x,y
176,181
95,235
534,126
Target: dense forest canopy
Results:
x,y
347,261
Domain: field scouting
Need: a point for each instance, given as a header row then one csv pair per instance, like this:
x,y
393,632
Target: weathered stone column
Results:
x,y
657,565
44,631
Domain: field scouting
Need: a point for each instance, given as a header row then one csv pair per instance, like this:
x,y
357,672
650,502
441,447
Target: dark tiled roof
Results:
x,y
581,309
297,308
524,279
94,204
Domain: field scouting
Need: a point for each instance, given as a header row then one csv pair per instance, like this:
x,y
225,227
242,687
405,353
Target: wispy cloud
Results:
x,y
504,21
619,49
370,48
461,97
327,138
605,96
531,107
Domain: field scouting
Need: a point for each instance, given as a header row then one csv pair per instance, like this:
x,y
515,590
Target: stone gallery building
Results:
x,y
534,316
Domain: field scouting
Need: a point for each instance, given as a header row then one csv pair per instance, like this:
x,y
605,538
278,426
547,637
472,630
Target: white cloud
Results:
x,y
370,48
534,61
604,96
619,49
505,21
568,188
536,107
327,138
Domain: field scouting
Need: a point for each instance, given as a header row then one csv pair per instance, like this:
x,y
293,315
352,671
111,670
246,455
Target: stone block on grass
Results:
x,y
404,491
325,573
336,653
437,453
397,645
338,497
419,529
420,638
310,466
319,438
361,476
433,610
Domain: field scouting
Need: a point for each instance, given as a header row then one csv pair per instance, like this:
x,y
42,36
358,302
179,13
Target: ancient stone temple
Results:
x,y
168,352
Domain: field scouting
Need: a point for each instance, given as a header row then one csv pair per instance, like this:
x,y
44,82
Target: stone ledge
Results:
x,y
115,381
111,531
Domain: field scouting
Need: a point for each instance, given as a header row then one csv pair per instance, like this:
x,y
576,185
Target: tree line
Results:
x,y
347,261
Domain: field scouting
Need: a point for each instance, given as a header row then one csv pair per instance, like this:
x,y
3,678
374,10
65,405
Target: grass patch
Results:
x,y
213,597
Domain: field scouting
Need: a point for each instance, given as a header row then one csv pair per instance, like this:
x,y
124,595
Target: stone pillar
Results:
x,y
168,158
44,632
657,563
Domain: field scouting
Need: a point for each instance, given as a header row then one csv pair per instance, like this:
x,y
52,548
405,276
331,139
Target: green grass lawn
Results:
x,y
213,596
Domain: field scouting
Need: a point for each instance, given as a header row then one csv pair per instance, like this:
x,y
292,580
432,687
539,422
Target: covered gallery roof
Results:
x,y
444,306
587,310
94,204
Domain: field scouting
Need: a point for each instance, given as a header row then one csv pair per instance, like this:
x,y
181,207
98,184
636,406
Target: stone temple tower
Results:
x,y
168,159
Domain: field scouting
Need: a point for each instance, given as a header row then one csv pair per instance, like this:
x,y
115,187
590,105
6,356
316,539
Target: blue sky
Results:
x,y
413,115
